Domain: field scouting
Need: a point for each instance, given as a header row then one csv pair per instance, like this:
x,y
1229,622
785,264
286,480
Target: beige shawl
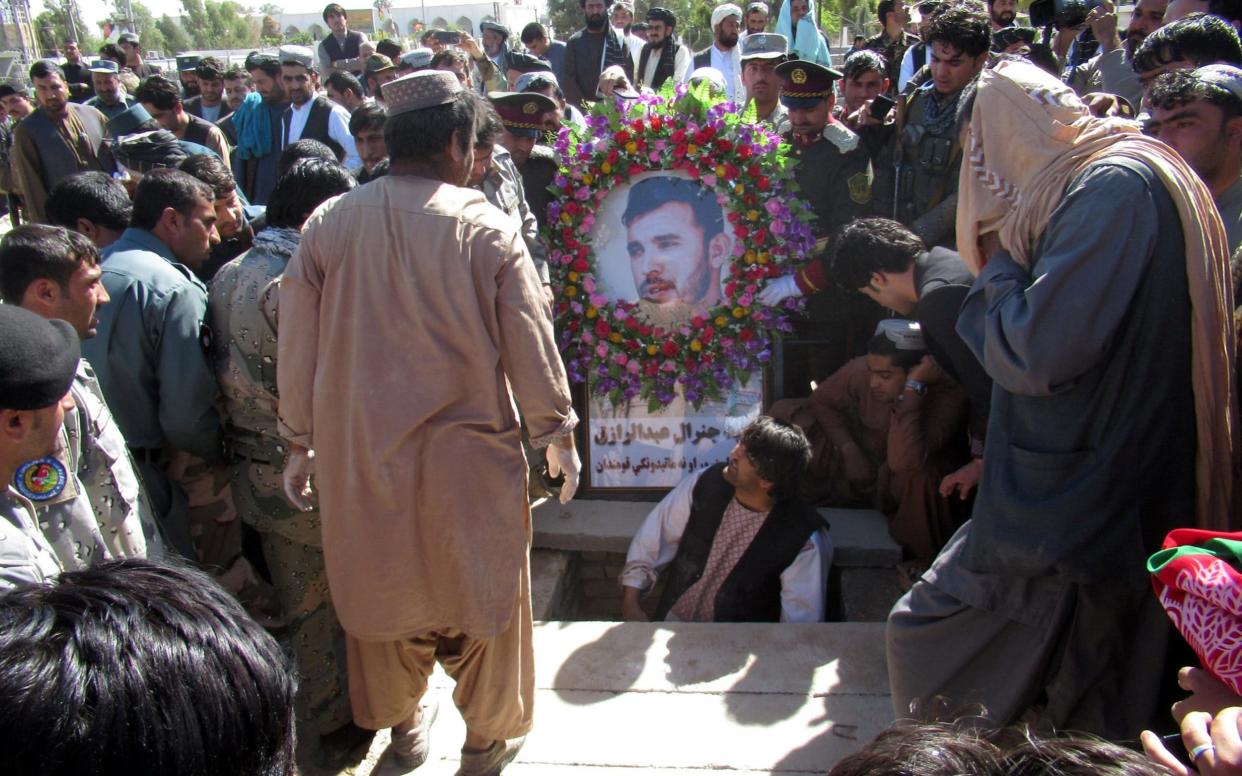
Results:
x,y
1030,136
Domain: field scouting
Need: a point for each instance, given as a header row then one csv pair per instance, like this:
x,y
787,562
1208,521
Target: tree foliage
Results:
x,y
214,24
61,22
175,38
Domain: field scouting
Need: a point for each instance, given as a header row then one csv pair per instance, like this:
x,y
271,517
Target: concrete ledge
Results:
x,y
672,699
859,536
550,578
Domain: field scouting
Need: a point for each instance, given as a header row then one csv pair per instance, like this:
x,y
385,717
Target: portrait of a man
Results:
x,y
677,245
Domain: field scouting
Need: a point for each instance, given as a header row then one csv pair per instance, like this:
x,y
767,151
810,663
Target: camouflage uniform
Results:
x,y
88,499
503,188
242,312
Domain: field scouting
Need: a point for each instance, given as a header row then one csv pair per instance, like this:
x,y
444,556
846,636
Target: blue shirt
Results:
x,y
150,352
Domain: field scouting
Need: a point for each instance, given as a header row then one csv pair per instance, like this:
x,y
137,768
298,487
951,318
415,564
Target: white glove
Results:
x,y
565,461
296,478
777,291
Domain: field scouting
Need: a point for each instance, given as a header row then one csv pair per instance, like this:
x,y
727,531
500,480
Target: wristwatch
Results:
x,y
917,387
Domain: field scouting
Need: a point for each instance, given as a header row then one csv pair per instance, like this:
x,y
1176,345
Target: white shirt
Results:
x,y
338,128
907,69
729,63
655,545
681,65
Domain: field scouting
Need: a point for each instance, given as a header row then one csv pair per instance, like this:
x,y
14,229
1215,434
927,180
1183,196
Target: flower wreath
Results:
x,y
745,164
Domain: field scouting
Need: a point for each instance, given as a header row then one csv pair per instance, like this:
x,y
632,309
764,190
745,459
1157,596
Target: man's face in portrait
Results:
x,y
671,258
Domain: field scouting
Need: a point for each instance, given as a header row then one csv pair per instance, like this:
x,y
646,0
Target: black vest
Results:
x,y
664,68
316,123
351,49
752,591
703,58
196,131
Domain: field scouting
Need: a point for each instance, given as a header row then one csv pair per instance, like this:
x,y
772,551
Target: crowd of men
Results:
x,y
254,318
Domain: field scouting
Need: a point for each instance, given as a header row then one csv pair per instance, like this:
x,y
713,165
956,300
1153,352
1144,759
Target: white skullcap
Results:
x,y
906,335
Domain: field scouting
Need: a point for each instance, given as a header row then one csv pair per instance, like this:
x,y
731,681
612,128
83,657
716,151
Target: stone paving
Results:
x,y
688,698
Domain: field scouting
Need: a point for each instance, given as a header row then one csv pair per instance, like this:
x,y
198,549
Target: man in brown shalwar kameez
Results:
x,y
409,311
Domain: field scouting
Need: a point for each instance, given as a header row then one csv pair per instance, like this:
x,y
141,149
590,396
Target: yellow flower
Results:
x,y
739,189
764,258
721,320
752,215
571,290
605,168
652,350
750,257
739,312
565,219
572,276
720,170
592,312
631,147
692,149
614,337
695,345
588,178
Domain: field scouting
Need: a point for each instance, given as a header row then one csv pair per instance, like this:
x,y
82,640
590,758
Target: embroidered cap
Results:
x,y
418,58
806,83
764,45
752,7
906,335
296,55
524,114
38,358
416,91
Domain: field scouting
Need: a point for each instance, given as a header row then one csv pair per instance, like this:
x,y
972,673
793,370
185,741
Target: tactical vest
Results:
x,y
929,162
752,591
351,49
664,68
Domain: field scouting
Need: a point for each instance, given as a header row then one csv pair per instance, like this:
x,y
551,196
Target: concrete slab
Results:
x,y
860,536
549,580
674,699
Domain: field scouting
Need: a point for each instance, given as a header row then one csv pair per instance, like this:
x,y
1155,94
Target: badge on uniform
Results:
x,y
42,479
860,187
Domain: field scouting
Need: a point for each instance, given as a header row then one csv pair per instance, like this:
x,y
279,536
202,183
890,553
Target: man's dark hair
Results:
x,y
306,148
488,127
862,61
369,115
210,68
423,134
1181,87
870,245
429,34
45,68
779,452
658,14
389,48
533,32
95,196
267,63
37,251
924,750
342,81
883,9
158,91
881,345
236,72
209,169
1073,755
332,8
134,664
8,90
113,52
454,55
1229,10
1200,38
965,26
306,185
167,188
654,193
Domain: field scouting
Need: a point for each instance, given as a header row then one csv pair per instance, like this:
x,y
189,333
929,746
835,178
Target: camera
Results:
x,y
1061,13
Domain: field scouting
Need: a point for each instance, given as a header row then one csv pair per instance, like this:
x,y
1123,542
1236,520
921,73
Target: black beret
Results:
x,y
38,359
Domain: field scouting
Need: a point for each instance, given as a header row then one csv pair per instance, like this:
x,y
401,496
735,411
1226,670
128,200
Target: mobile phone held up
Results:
x,y
880,106
448,38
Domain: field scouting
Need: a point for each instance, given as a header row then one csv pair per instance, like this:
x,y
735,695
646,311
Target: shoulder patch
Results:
x,y
860,187
841,136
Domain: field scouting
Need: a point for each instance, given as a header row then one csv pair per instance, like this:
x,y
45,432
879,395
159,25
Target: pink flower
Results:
x,y
709,181
582,194
601,350
588,285
745,300
599,300
773,206
633,367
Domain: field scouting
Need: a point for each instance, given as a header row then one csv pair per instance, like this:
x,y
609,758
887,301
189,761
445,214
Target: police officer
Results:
x,y
834,175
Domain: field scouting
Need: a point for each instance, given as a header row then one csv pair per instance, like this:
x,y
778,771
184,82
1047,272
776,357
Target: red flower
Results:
x,y
761,236
657,124
635,169
573,208
697,322
601,327
730,289
678,137
741,232
622,137
638,126
746,334
612,156
580,265
690,364
734,217
670,348
754,171
645,330
744,153
763,183
652,369
706,335
724,146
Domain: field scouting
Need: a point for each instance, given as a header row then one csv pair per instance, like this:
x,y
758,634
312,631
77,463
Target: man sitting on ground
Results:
x,y
738,544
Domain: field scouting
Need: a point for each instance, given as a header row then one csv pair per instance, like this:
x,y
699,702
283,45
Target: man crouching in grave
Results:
x,y
735,542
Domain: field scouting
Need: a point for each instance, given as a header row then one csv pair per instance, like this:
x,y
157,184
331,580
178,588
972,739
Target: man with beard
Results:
x,y
893,40
310,114
237,85
724,55
590,51
1002,13
929,154
761,53
495,39
55,141
187,75
110,98
663,56
1112,70
757,18
209,105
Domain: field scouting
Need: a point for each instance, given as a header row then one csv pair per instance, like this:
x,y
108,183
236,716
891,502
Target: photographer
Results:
x,y
1112,69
